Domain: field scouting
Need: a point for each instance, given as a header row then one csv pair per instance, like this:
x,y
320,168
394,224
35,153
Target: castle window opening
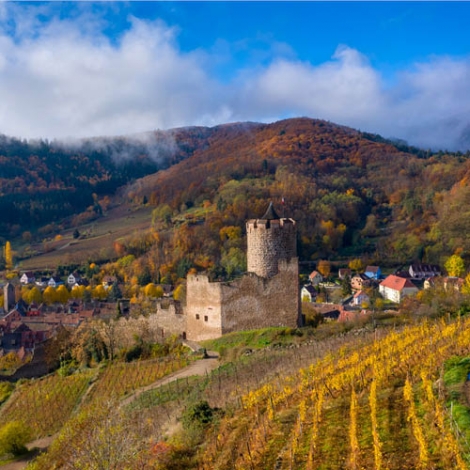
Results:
x,y
206,318
197,316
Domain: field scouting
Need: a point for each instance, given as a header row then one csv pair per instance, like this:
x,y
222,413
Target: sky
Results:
x,y
85,69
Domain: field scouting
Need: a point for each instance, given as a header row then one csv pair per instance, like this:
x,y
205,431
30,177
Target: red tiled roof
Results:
x,y
397,283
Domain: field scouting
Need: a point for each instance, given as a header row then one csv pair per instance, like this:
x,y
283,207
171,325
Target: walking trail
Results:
x,y
199,367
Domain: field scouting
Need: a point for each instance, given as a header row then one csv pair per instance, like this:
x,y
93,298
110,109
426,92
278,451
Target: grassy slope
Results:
x,y
118,223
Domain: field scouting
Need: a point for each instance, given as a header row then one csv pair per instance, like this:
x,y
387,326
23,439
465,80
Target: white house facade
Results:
x,y
395,288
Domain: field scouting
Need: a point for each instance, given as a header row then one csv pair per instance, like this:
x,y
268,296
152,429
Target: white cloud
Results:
x,y
428,106
64,82
63,78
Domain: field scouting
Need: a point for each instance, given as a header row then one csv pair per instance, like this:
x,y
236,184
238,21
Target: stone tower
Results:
x,y
9,300
270,240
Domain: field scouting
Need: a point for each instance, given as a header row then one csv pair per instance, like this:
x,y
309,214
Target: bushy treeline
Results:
x,y
42,181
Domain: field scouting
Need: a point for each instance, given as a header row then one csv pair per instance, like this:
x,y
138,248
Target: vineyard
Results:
x,y
45,405
385,399
379,406
121,378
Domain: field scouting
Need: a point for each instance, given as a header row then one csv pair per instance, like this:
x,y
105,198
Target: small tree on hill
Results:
x,y
356,265
13,438
49,295
455,266
115,292
8,255
87,295
324,268
62,294
180,293
99,292
144,277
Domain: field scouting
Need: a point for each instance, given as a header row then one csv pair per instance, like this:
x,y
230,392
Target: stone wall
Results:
x,y
217,308
170,318
269,241
256,302
203,308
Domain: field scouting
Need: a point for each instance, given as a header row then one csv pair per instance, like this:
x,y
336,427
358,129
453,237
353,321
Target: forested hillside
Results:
x,y
43,181
352,194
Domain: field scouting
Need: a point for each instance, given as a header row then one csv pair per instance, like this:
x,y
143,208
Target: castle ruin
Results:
x,y
267,295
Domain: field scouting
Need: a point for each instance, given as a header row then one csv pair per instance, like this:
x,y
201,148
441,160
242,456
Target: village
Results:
x,y
354,294
36,307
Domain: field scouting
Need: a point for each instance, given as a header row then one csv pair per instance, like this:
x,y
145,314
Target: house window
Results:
x,y
206,318
197,316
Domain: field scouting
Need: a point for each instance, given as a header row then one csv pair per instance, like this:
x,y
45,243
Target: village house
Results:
x,y
344,273
27,278
42,281
21,336
424,271
360,281
81,282
353,315
34,309
394,288
315,278
373,272
308,293
360,298
73,279
55,281
329,312
449,282
108,281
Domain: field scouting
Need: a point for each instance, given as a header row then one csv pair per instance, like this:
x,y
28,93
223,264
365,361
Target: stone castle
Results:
x,y
267,295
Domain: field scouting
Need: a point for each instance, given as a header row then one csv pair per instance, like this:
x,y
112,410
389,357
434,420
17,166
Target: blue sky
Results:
x,y
76,69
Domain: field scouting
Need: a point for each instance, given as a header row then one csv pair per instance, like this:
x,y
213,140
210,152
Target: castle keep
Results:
x,y
270,240
268,295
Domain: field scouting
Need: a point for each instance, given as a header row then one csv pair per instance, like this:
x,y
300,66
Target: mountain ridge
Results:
x,y
352,193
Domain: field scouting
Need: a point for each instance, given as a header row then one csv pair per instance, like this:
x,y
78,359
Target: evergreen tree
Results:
x,y
87,295
115,292
144,277
118,310
346,286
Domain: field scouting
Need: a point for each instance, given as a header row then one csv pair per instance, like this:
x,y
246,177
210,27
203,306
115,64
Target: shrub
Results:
x,y
198,415
13,438
6,388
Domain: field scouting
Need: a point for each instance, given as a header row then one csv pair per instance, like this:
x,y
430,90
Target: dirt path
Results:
x,y
200,367
39,444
